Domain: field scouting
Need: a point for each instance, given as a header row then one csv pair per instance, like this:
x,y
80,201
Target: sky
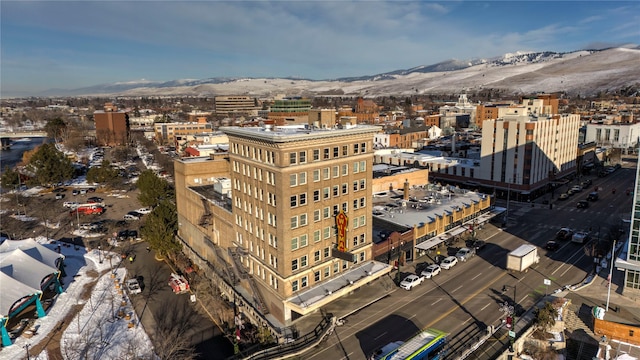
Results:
x,y
74,44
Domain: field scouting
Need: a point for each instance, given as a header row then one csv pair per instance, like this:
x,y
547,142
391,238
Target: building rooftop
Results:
x,y
424,205
298,133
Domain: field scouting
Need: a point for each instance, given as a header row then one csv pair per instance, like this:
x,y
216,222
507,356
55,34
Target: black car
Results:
x,y
134,213
59,190
586,183
593,196
582,204
564,234
478,244
123,234
95,199
552,245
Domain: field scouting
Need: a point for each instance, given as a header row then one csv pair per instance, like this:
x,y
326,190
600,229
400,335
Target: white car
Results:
x,y
70,204
130,217
143,211
410,281
431,271
133,286
449,262
576,188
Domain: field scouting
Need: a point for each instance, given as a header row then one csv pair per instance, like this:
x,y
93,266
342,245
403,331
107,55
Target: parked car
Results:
x,y
576,188
564,234
59,190
75,192
563,197
135,213
95,199
411,281
144,211
582,204
586,183
593,196
430,271
70,204
581,237
552,245
134,286
130,217
449,262
465,254
478,244
59,196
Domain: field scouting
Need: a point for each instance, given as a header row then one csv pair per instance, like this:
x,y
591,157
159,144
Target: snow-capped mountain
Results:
x,y
583,72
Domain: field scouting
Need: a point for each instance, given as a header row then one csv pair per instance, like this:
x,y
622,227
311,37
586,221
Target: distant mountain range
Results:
x,y
584,72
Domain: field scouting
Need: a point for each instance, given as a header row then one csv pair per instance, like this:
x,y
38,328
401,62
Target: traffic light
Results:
x,y
509,322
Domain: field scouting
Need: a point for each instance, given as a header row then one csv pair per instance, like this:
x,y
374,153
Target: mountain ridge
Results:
x,y
584,72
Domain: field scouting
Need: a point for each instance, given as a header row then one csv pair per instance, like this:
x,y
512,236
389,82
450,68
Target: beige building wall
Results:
x,y
287,186
416,177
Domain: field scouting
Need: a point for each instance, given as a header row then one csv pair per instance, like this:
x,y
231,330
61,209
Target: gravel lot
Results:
x,y
46,206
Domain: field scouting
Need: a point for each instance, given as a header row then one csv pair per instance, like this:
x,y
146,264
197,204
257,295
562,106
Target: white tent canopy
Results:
x,y
12,291
33,249
25,269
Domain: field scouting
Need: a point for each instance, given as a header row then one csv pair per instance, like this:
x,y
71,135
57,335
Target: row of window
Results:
x,y
257,154
327,192
300,157
326,213
301,241
318,275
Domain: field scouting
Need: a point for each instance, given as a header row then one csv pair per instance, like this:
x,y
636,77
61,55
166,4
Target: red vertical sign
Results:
x,y
341,226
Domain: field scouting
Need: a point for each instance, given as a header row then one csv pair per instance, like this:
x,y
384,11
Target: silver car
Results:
x,y
465,254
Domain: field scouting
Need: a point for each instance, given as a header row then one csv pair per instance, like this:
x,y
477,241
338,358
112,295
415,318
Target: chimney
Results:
x,y
406,189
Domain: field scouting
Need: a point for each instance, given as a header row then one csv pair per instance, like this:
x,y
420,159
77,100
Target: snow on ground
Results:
x,y
96,331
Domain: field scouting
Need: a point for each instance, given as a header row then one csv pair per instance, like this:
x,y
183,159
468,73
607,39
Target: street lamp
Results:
x,y
515,310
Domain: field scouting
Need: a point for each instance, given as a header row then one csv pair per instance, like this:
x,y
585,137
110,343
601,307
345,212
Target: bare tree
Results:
x,y
171,337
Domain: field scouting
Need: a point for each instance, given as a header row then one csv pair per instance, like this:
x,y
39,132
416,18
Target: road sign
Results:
x,y
512,334
547,282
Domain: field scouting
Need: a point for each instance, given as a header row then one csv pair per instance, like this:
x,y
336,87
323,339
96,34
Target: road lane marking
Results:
x,y
456,289
379,336
437,301
475,277
486,306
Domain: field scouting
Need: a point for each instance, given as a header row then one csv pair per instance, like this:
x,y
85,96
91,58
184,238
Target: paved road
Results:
x,y
464,300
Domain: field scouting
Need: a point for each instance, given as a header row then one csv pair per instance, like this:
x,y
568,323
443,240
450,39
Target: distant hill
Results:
x,y
585,72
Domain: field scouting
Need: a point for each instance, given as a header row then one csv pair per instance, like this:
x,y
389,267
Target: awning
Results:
x,y
426,245
457,231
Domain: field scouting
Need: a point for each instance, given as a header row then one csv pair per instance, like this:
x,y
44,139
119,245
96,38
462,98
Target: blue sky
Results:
x,y
68,45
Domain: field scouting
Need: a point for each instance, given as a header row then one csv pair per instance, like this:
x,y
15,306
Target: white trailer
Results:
x,y
522,258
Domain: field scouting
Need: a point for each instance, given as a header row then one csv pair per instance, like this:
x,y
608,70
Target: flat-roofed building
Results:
x,y
290,111
170,133
112,125
236,104
296,192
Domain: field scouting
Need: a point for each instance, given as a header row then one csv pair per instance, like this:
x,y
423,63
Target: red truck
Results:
x,y
88,210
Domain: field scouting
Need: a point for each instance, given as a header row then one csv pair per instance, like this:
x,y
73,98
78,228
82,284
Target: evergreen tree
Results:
x,y
55,128
160,228
10,178
153,189
49,166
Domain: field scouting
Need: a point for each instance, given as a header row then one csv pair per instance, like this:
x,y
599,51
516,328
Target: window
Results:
x,y
355,204
363,147
363,165
326,153
303,199
336,171
316,215
294,243
304,282
316,276
345,170
294,222
316,154
326,213
293,179
335,190
302,157
293,158
294,264
303,240
294,200
303,220
316,195
362,202
362,238
326,252
362,256
302,178
336,152
325,193
325,173
356,167
294,285
363,184
316,236
336,268
303,261
345,189
316,256
316,175
355,241
326,272
355,185
345,150
327,232
355,149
